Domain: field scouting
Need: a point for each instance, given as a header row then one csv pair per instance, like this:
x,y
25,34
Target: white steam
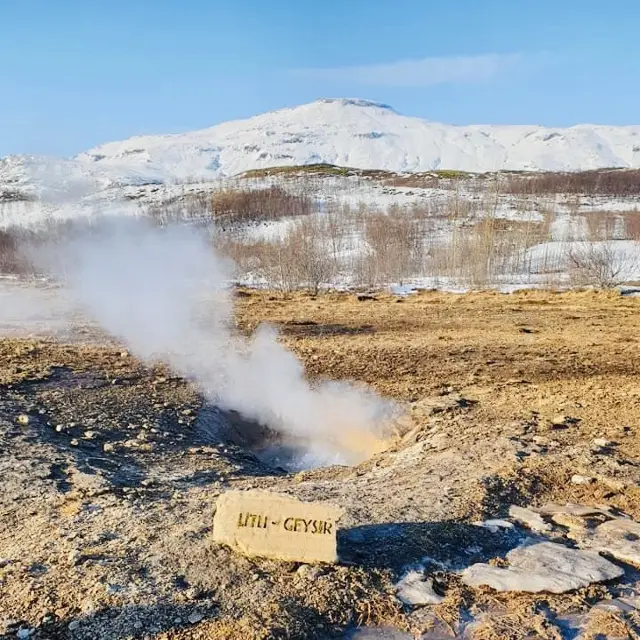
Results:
x,y
165,294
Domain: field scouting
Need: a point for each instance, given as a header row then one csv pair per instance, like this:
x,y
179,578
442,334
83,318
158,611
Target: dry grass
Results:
x,y
611,625
578,360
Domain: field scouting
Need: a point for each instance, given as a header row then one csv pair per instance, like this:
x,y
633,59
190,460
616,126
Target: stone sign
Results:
x,y
261,523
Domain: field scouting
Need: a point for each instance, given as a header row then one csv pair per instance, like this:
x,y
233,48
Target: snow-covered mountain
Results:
x,y
353,133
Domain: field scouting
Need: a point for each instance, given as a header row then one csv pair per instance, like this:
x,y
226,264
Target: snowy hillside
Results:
x,y
352,133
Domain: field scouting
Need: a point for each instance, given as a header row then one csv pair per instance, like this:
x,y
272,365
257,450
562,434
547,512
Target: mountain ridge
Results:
x,y
348,132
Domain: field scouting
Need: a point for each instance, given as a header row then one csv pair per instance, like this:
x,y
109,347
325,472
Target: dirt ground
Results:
x,y
109,481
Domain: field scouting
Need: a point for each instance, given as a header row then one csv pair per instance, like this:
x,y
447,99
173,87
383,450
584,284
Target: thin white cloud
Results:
x,y
425,72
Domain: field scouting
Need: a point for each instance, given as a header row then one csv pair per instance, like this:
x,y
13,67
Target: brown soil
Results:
x,y
109,488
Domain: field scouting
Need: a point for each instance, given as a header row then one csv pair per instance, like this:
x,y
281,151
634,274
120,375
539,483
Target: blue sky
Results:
x,y
75,73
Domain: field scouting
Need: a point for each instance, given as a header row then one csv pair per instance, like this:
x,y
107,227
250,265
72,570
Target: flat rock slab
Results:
x,y
571,509
545,566
529,518
619,538
261,523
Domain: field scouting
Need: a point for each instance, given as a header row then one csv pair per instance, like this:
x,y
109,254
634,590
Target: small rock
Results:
x,y
137,625
309,572
194,618
619,538
578,479
572,522
192,593
601,443
124,354
88,606
73,625
74,442
24,633
74,557
10,625
89,435
88,483
59,428
23,418
558,422
108,447
529,518
4,562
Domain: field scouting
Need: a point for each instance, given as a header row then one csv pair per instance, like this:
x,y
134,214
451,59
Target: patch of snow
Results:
x,y
555,256
414,589
495,525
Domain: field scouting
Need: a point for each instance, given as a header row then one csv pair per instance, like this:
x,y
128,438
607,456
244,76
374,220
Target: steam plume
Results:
x,y
165,294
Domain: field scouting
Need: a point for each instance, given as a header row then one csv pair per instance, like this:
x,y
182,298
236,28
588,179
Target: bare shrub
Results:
x,y
244,255
300,257
394,243
232,206
10,259
475,252
482,252
601,264
188,207
246,205
311,243
14,195
632,225
460,236
601,182
277,262
603,225
338,224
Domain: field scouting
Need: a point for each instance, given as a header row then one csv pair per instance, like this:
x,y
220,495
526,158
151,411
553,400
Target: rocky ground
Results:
x,y
110,478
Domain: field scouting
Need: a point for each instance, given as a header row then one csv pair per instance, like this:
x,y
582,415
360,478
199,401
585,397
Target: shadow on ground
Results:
x,y
124,430
445,545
